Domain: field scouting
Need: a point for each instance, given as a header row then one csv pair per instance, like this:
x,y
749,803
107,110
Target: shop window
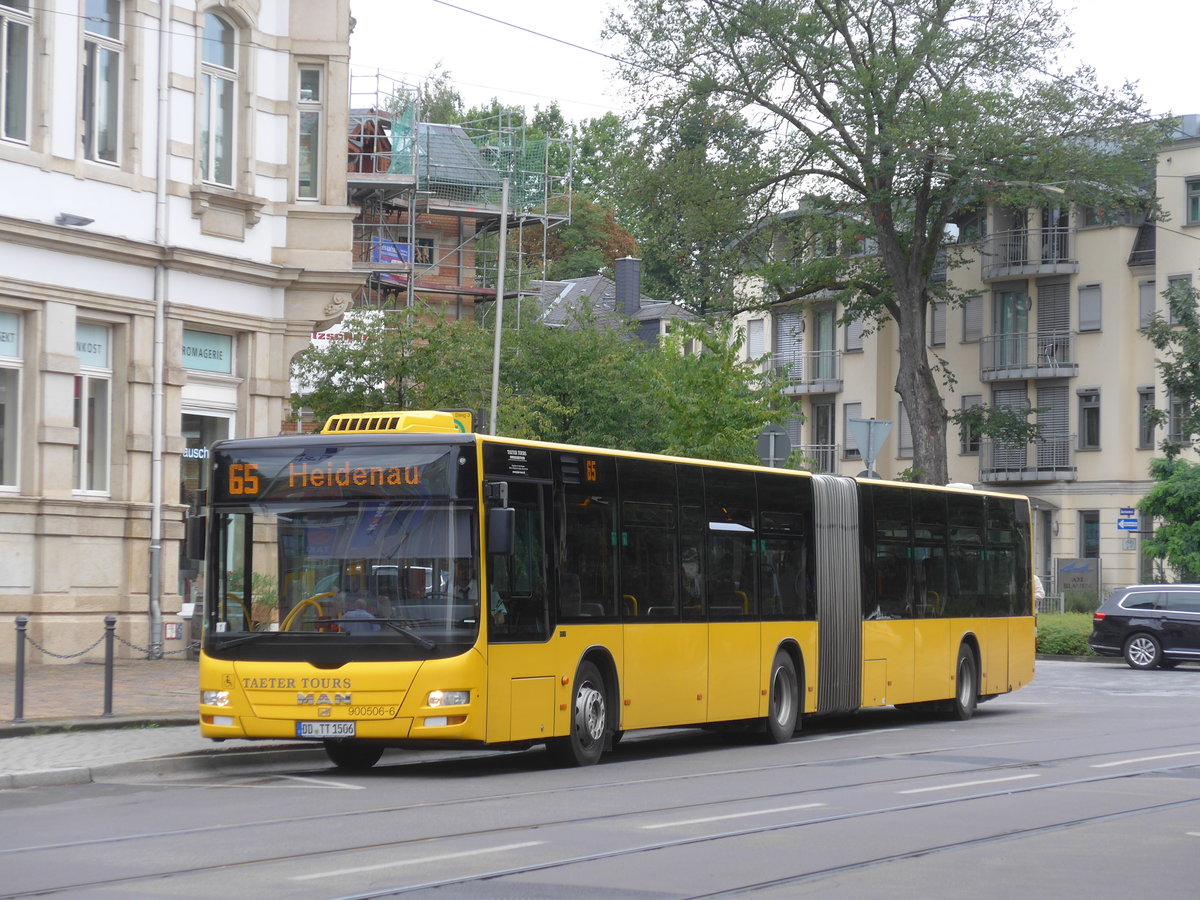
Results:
x,y
10,392
93,407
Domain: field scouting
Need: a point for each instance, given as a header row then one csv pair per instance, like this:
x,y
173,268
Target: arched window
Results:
x,y
218,93
102,49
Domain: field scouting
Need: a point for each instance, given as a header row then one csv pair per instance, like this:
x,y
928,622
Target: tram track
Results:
x,y
1167,763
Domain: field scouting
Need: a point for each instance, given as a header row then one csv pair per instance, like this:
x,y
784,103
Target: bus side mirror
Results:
x,y
501,530
193,536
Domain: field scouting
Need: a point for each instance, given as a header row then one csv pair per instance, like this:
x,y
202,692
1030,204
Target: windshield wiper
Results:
x,y
397,625
242,639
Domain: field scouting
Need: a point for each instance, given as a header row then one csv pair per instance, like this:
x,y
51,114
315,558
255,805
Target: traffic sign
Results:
x,y
774,445
1127,524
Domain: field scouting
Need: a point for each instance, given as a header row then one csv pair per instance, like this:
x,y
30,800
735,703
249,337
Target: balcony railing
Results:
x,y
818,458
1046,459
1027,354
810,371
1028,251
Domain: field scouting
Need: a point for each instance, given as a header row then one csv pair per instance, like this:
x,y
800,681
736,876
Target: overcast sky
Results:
x,y
1150,41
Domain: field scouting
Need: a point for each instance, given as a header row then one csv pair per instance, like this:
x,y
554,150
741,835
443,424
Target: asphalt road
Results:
x,y
1084,784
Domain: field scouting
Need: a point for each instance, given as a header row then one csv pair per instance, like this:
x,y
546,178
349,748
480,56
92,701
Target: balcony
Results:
x,y
1028,251
821,459
1027,354
810,371
1045,460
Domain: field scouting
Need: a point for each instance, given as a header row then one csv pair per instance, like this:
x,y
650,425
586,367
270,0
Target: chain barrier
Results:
x,y
93,645
108,638
194,645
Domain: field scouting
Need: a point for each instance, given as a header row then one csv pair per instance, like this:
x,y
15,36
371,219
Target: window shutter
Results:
x,y
973,319
1089,307
1146,303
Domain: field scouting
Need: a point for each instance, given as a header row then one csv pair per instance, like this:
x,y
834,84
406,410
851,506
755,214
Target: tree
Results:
x,y
582,384
1175,500
1177,337
889,117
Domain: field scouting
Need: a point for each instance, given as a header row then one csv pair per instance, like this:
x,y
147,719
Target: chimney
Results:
x,y
629,285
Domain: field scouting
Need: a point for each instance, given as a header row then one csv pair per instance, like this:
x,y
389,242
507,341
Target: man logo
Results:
x,y
303,699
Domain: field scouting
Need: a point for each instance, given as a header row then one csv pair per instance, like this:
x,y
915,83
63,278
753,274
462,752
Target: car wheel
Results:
x,y
1142,651
353,756
590,728
966,685
783,704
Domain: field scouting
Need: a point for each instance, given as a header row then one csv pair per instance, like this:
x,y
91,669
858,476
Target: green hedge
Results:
x,y
1064,634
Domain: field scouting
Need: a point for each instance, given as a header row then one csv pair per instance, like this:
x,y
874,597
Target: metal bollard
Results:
x,y
19,699
110,624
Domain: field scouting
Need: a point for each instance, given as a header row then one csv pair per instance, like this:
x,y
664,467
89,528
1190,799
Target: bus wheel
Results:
x,y
353,756
589,722
966,685
783,707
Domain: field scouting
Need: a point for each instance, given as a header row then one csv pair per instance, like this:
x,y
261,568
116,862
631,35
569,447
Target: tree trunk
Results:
x,y
917,387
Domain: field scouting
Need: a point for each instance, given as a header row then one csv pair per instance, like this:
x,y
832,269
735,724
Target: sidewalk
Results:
x,y
66,739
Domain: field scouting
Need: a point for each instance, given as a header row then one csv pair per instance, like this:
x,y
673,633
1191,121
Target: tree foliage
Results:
x,y
583,384
885,117
1177,338
1175,501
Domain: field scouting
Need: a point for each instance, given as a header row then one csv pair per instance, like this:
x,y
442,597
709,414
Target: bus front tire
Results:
x,y
783,705
589,721
966,685
353,756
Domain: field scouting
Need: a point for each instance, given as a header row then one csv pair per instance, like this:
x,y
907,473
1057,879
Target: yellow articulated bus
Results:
x,y
398,579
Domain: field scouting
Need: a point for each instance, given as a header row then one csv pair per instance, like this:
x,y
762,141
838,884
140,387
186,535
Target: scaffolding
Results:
x,y
429,199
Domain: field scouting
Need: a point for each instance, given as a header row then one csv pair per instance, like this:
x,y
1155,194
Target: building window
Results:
x,y
424,252
1089,307
854,335
1179,290
755,345
973,319
15,28
1145,428
218,90
1193,201
102,79
1177,411
10,394
937,325
93,387
1146,303
851,411
1089,419
968,433
905,440
1089,534
310,103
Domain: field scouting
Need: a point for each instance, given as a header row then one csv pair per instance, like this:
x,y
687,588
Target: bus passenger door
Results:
x,y
521,682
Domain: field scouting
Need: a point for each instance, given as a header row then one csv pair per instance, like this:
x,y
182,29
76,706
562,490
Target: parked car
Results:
x,y
1150,625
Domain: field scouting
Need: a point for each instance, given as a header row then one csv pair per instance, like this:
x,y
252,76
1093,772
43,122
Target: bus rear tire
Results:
x,y
966,685
783,700
353,756
590,730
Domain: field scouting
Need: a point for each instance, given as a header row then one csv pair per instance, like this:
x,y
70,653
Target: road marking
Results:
x,y
950,787
757,812
414,862
324,782
1130,762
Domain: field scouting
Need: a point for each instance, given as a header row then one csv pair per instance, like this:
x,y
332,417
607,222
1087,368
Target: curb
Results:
x,y
100,723
257,759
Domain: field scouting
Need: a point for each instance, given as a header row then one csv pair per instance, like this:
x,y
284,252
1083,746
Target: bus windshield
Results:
x,y
399,574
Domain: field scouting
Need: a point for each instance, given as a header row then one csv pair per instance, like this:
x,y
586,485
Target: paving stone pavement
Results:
x,y
66,739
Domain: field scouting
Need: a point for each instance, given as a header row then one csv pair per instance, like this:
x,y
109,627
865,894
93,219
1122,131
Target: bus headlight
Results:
x,y
214,698
448,698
